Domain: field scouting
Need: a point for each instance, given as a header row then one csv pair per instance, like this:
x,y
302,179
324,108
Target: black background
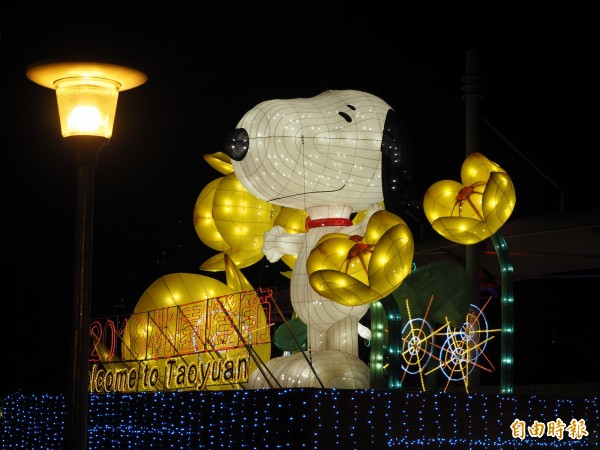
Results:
x,y
205,69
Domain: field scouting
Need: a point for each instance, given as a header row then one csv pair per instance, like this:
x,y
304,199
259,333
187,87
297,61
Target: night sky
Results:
x,y
205,70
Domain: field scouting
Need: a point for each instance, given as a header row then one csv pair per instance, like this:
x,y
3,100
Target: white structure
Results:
x,y
322,155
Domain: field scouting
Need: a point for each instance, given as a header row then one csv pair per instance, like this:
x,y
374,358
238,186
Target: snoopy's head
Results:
x,y
311,152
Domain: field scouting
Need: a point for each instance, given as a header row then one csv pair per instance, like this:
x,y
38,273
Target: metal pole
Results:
x,y
472,94
472,90
86,150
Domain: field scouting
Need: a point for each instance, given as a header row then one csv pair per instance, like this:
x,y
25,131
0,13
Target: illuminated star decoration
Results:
x,y
461,351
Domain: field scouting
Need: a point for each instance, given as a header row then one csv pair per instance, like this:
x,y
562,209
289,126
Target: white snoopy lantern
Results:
x,y
328,155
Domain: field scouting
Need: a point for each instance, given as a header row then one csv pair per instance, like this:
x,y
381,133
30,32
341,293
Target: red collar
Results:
x,y
330,222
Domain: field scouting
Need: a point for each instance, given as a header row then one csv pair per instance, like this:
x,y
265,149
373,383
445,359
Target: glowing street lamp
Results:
x,y
87,96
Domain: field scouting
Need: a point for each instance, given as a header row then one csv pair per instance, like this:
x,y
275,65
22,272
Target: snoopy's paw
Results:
x,y
277,243
373,208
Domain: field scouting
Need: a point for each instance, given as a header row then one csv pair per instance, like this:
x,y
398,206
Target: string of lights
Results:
x,y
304,418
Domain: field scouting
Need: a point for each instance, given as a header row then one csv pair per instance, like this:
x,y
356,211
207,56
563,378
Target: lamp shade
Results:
x,y
87,107
87,93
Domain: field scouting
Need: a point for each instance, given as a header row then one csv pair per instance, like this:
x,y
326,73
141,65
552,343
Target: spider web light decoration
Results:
x,y
460,352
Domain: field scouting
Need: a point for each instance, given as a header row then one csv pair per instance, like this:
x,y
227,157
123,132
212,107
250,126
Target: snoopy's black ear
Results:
x,y
396,170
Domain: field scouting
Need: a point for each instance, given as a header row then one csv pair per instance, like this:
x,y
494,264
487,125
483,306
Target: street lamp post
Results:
x,y
87,95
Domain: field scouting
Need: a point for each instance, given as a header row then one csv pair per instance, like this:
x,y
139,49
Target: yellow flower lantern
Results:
x,y
204,224
229,219
471,211
358,270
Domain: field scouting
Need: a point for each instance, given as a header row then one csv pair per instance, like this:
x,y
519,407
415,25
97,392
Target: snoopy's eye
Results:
x,y
351,107
346,117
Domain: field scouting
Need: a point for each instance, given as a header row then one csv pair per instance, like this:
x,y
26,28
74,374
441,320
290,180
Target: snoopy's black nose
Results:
x,y
236,144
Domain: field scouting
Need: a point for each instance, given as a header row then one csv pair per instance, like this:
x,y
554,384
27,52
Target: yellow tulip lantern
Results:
x,y
229,219
473,210
241,218
358,270
204,223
